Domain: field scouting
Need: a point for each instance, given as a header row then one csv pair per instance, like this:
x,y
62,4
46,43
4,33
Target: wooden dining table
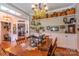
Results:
x,y
20,51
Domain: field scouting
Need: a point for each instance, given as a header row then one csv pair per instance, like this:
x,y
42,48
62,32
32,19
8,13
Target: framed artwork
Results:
x,y
53,28
69,20
65,20
71,28
32,22
48,28
62,26
14,28
21,29
72,20
77,27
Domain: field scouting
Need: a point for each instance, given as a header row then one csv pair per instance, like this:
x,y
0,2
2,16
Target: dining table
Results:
x,y
25,51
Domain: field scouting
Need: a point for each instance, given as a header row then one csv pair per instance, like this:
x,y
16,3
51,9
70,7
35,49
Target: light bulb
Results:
x,y
46,8
33,6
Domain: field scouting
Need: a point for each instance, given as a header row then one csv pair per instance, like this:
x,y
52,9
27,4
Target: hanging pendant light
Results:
x,y
40,10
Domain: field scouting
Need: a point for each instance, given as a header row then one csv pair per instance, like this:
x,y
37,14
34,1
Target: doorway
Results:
x,y
5,31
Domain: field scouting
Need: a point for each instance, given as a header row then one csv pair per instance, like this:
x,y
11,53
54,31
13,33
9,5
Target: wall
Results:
x,y
64,40
77,24
77,17
0,32
55,21
12,20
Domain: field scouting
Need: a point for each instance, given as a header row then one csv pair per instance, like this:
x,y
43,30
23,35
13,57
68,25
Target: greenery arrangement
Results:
x,y
36,26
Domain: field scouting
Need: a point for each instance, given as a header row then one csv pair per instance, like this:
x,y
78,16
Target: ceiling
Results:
x,y
26,8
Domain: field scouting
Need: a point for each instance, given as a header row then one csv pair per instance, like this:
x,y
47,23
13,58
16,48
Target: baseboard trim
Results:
x,y
68,48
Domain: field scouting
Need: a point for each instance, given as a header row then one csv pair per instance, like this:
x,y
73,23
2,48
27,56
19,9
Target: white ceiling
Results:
x,y
25,8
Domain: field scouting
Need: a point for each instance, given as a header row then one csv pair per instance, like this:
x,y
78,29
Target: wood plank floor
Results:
x,y
5,44
66,52
58,52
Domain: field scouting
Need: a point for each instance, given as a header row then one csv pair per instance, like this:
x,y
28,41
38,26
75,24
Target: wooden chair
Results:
x,y
21,41
18,42
52,48
44,46
3,52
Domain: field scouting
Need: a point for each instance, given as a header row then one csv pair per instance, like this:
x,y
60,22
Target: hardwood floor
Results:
x,y
58,52
5,44
66,52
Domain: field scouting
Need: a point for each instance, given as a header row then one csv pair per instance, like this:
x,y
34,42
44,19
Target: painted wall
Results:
x,y
77,25
0,32
12,20
64,40
55,21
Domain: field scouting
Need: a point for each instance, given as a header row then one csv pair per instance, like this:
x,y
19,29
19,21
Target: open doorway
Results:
x,y
5,31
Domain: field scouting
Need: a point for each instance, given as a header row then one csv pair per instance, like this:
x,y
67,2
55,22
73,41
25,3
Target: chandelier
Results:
x,y
40,10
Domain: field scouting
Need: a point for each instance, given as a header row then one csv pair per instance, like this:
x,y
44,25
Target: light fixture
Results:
x,y
6,17
40,10
9,10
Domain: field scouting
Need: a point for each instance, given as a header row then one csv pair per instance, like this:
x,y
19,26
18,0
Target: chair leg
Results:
x,y
53,54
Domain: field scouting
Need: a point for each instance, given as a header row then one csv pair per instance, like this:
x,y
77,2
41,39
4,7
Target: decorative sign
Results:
x,y
53,28
68,21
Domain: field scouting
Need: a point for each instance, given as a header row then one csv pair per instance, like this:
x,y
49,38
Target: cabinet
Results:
x,y
71,41
67,40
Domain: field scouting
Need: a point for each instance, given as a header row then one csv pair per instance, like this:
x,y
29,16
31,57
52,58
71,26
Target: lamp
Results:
x,y
40,10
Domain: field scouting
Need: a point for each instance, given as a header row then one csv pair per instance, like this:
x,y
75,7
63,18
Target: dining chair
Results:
x,y
21,41
45,44
18,42
3,52
52,48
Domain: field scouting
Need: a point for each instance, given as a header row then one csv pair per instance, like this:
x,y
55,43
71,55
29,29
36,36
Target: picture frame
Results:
x,y
14,28
62,26
53,28
71,28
